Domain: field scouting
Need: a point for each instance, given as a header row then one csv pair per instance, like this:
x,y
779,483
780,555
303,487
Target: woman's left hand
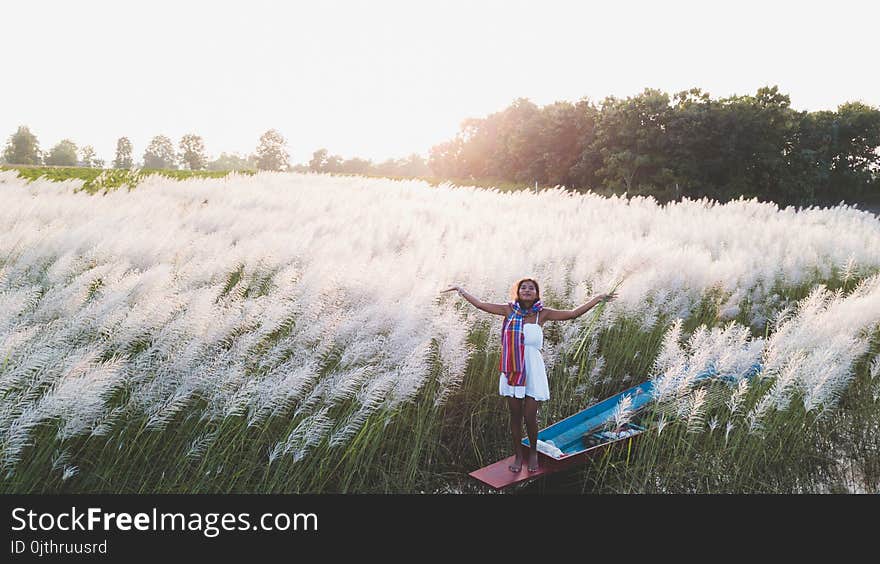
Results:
x,y
608,297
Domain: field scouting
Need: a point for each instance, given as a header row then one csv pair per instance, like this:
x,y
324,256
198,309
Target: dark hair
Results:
x,y
514,290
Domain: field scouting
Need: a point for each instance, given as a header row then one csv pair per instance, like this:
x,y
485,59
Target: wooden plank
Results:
x,y
499,476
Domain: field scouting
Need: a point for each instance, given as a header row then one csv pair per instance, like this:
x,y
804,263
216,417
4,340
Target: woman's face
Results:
x,y
527,291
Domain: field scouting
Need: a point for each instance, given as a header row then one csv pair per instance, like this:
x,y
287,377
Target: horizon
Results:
x,y
389,79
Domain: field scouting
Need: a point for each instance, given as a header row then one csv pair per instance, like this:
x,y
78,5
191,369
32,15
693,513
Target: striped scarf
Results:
x,y
513,344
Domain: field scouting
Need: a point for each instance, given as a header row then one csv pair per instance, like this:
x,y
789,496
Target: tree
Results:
x,y
356,165
444,159
319,160
192,152
413,165
23,148
88,157
522,143
564,131
323,161
63,154
123,154
271,153
160,154
840,152
233,162
631,139
515,151
333,164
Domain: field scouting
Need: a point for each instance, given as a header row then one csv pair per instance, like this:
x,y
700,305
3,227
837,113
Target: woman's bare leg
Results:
x,y
516,417
531,415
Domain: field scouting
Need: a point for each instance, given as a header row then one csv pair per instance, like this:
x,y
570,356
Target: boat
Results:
x,y
585,434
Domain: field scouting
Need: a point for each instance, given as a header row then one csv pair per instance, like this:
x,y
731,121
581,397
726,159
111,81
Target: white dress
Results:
x,y
536,375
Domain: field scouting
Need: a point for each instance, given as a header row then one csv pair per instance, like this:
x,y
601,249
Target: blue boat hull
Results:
x,y
572,436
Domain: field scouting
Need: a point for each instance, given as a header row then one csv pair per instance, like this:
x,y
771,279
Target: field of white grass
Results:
x,y
286,333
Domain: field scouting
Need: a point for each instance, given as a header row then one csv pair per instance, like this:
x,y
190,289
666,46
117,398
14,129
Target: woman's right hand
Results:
x,y
456,288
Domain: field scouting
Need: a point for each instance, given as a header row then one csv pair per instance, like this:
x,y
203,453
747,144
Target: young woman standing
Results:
x,y
523,377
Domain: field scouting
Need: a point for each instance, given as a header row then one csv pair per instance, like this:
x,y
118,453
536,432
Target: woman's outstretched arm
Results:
x,y
497,309
566,314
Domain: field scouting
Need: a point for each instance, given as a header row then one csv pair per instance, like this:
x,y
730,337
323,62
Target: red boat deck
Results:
x,y
499,476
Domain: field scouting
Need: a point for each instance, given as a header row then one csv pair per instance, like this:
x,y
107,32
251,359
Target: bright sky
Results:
x,y
380,79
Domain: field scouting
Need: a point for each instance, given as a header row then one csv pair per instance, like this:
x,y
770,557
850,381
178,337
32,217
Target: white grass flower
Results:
x,y
849,268
596,371
755,416
695,412
623,411
713,424
661,424
736,397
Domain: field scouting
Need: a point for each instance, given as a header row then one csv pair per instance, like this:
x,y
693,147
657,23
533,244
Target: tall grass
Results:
x,y
285,333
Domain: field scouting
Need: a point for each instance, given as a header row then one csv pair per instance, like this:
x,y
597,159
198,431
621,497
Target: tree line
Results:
x,y
689,145
685,145
23,148
322,161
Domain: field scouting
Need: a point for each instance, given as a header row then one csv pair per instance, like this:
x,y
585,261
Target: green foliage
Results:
x,y
630,139
22,148
63,154
102,180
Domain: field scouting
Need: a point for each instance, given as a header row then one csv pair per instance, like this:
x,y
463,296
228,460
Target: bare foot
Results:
x,y
516,467
533,461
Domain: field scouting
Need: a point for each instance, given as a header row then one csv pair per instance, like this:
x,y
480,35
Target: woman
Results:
x,y
523,377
